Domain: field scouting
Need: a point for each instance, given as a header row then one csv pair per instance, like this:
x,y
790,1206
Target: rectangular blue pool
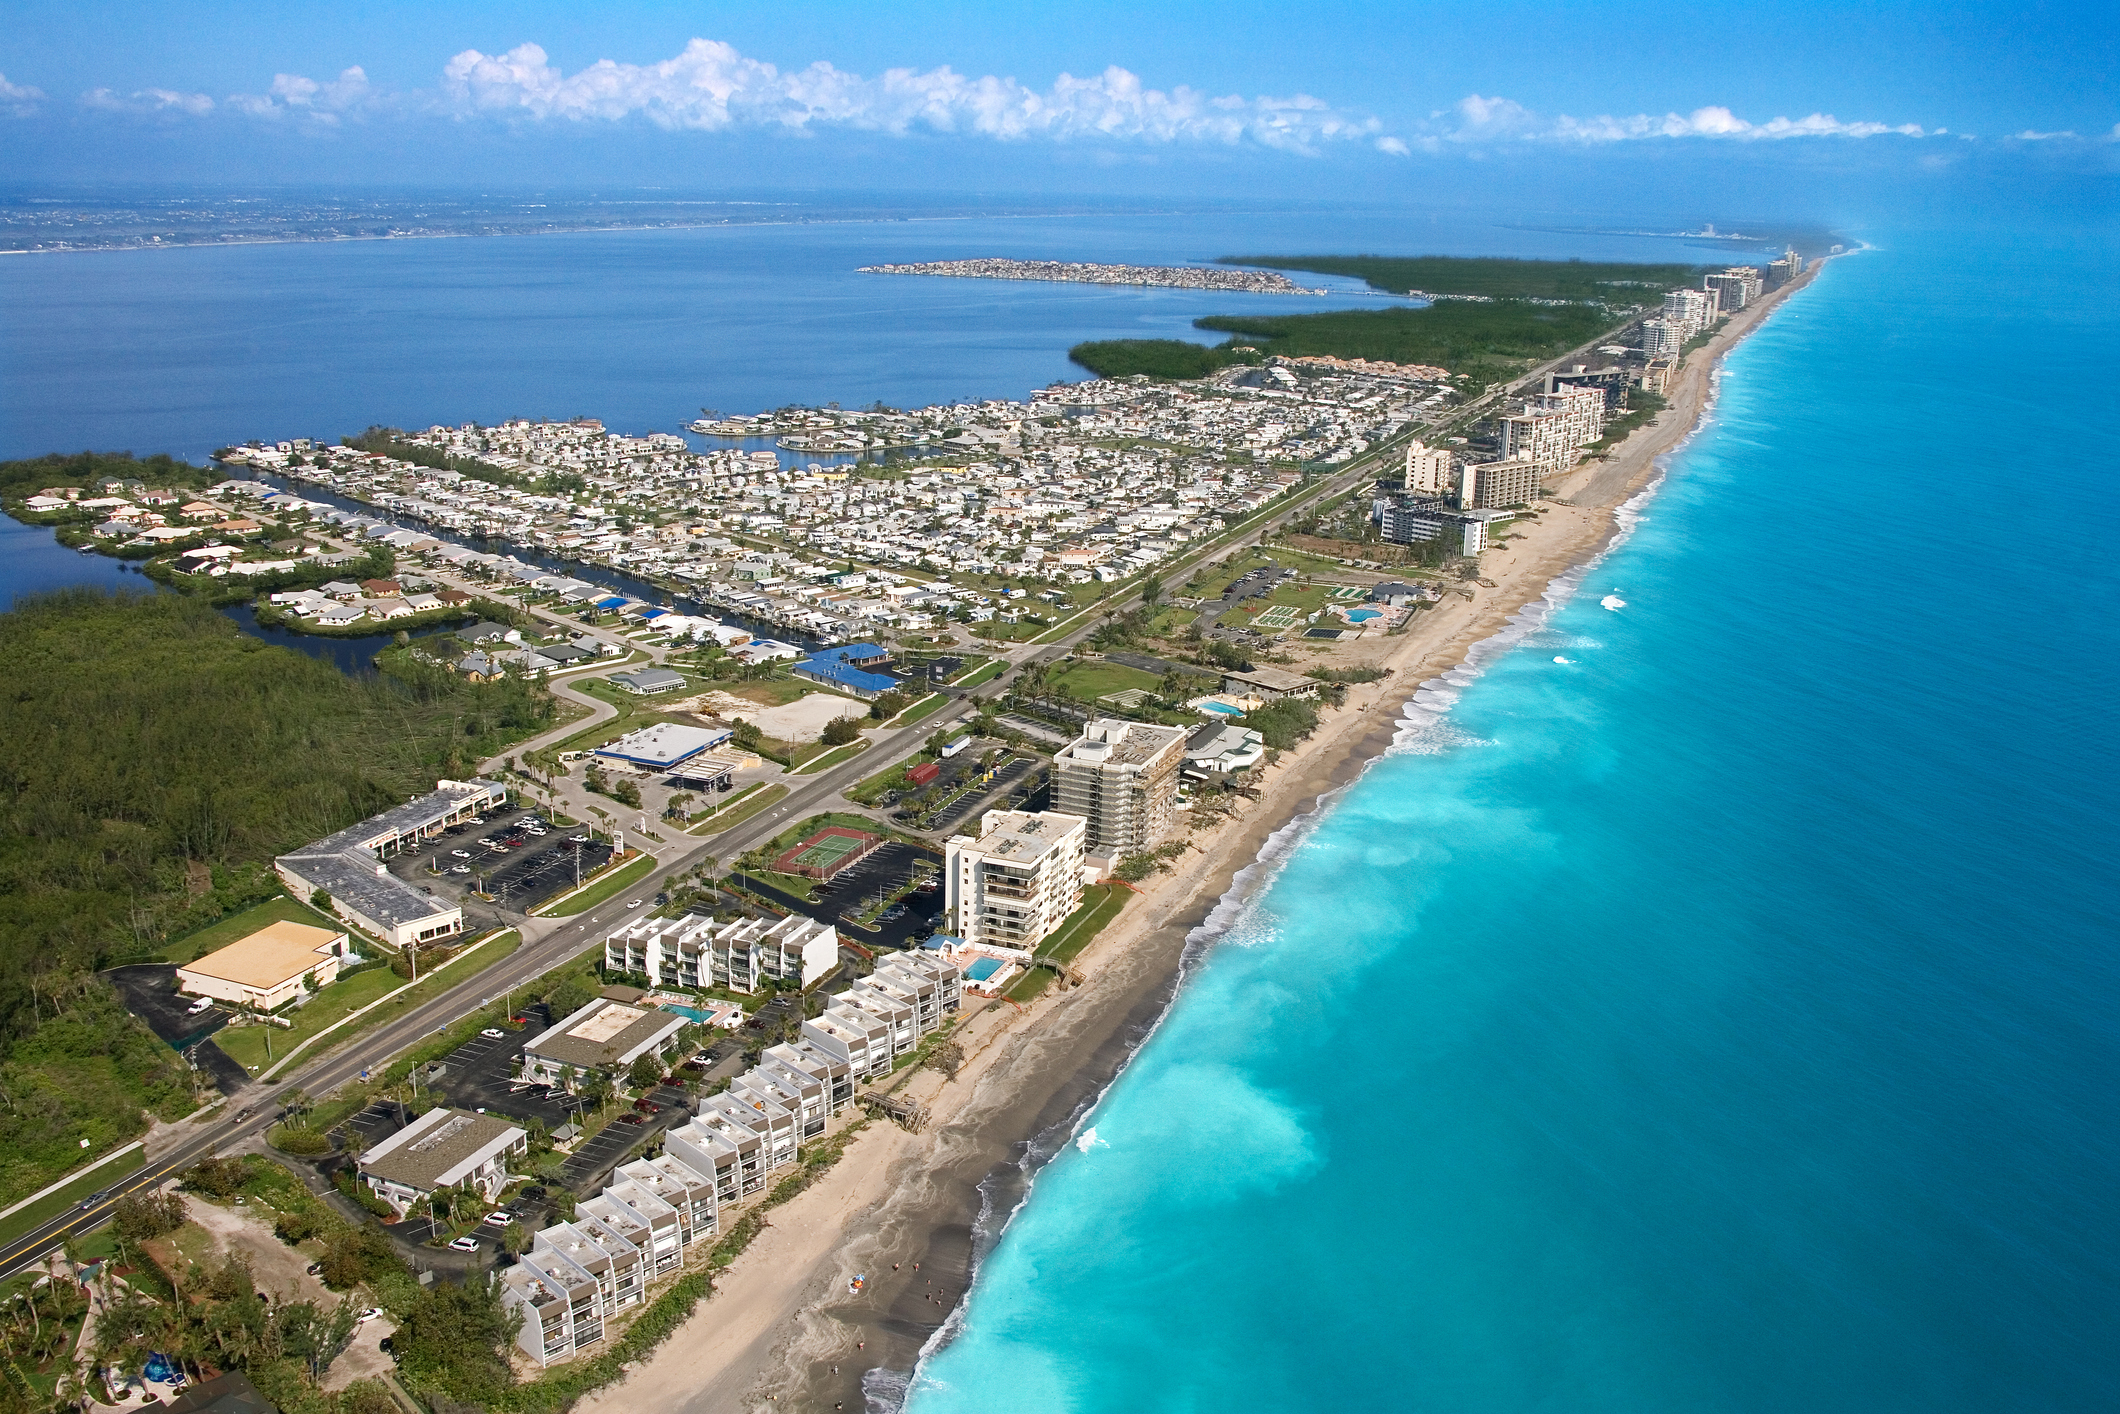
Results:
x,y
984,968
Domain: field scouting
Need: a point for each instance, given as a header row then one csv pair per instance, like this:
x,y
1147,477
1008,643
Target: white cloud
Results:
x,y
1478,119
711,86
148,100
19,99
294,96
2029,136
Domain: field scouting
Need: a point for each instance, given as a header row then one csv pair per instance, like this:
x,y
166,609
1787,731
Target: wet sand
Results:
x,y
781,1332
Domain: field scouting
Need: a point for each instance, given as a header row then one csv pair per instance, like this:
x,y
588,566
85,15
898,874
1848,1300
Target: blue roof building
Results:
x,y
835,673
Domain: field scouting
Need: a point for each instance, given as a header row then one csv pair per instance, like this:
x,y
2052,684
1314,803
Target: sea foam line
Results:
x,y
1240,903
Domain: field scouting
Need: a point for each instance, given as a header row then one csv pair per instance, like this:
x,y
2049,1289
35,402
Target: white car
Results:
x,y
460,853
202,1004
493,1033
498,1219
636,903
460,869
368,1315
466,1243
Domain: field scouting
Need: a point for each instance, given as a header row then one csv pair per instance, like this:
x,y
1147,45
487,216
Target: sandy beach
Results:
x,y
780,1332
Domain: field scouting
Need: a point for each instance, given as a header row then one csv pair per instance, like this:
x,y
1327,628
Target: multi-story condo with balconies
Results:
x,y
1121,779
1015,883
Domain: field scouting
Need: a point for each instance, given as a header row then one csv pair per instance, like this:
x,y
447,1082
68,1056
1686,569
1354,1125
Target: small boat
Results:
x,y
855,1283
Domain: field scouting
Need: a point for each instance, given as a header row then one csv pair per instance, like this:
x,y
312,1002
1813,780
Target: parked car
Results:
x,y
578,839
460,853
466,1243
368,1315
460,869
631,1119
499,1217
493,1033
647,1107
202,1004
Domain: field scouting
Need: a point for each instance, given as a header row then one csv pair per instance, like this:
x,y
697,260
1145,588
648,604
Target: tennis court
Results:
x,y
825,853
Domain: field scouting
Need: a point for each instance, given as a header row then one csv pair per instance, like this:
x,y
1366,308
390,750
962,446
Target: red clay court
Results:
x,y
827,852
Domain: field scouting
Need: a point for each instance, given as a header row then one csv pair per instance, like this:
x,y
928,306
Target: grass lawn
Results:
x,y
833,757
246,1044
998,632
1093,680
438,980
757,800
985,673
795,884
920,711
1101,903
624,877
53,1204
1085,923
888,778
283,909
749,801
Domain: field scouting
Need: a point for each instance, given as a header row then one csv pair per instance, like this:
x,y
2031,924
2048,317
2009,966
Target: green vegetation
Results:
x,y
986,673
920,711
332,1004
1158,358
42,1211
1484,340
1284,723
625,876
153,760
1089,680
1101,903
1493,276
1494,338
751,800
241,925
19,479
846,752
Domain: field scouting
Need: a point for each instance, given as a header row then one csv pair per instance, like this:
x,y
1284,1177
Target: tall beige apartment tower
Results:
x,y
1428,469
1122,778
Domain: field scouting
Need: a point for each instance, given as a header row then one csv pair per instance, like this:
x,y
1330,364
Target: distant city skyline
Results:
x,y
1414,103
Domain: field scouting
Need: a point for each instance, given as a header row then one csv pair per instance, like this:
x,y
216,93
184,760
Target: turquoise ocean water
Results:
x,y
1723,1019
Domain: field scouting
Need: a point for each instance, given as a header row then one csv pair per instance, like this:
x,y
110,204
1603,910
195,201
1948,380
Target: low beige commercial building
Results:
x,y
268,969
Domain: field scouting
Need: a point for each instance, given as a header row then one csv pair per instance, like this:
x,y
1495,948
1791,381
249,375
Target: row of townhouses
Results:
x,y
580,1274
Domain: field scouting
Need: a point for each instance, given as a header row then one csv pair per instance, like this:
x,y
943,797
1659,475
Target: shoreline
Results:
x,y
780,1333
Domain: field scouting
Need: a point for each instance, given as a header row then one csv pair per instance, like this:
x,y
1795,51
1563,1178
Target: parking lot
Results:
x,y
886,867
150,993
608,1147
519,867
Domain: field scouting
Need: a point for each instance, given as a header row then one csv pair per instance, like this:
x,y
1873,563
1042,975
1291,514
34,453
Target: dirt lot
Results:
x,y
283,1271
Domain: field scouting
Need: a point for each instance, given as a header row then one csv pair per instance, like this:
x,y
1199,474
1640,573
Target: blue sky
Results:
x,y
1772,103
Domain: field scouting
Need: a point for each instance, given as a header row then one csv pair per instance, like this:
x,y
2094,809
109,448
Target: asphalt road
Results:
x,y
550,942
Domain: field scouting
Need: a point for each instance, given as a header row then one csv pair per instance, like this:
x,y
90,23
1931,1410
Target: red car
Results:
x,y
647,1107
631,1119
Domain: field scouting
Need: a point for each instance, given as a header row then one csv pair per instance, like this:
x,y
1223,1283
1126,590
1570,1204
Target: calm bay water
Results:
x,y
1721,1020
187,350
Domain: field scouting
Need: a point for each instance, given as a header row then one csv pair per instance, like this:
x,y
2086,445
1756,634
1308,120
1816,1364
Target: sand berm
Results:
x,y
782,1332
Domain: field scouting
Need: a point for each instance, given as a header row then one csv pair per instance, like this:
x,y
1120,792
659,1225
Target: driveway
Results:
x,y
149,990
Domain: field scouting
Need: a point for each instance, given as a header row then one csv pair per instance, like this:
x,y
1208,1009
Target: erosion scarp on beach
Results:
x,y
915,1212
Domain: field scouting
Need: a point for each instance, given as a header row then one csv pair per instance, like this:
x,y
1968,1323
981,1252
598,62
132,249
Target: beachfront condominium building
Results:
x,y
607,1035
1691,310
1554,427
744,955
1121,778
1735,287
1781,271
1016,881
1662,339
1490,486
1428,469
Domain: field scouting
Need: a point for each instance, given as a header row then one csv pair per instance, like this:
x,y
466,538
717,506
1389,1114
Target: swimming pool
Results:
x,y
690,1013
984,968
1363,616
1222,708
